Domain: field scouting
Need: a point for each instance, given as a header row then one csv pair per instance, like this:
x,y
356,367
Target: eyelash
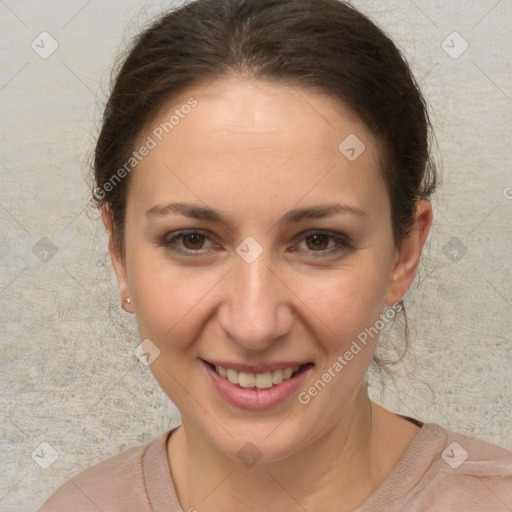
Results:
x,y
342,241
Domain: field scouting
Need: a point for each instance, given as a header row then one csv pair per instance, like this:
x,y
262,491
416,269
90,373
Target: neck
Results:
x,y
338,471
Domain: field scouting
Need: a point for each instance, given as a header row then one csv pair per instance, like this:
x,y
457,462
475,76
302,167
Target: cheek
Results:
x,y
170,300
174,302
345,302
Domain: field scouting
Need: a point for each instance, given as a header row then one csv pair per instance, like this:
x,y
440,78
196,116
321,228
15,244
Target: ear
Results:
x,y
409,253
117,261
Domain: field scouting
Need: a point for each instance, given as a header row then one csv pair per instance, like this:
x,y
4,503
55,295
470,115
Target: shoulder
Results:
x,y
464,474
114,484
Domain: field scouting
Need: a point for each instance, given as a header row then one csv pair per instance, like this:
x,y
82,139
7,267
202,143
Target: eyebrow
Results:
x,y
195,211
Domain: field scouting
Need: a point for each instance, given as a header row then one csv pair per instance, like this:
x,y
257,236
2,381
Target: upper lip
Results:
x,y
259,368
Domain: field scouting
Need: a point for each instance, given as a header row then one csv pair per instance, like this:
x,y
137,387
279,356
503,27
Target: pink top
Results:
x,y
442,471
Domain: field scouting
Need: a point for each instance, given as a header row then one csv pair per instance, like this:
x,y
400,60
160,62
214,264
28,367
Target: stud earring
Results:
x,y
128,300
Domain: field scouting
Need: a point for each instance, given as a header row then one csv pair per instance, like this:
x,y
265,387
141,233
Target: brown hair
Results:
x,y
323,45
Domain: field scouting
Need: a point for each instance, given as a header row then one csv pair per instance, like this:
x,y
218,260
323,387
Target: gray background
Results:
x,y
69,377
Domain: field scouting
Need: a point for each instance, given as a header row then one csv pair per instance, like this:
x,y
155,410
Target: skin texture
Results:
x,y
255,150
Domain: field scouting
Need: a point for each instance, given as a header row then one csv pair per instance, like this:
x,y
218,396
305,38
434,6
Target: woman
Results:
x,y
264,175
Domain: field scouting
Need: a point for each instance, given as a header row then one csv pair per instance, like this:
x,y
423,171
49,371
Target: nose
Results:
x,y
256,308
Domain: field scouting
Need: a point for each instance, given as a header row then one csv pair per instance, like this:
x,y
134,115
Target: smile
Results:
x,y
262,388
256,380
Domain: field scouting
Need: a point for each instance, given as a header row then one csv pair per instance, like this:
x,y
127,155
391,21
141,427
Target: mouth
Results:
x,y
259,380
257,388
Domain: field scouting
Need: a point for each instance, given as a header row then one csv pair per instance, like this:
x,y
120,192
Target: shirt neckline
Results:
x,y
416,460
410,469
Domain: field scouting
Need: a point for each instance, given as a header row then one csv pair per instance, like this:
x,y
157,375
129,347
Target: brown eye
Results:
x,y
191,243
195,241
318,242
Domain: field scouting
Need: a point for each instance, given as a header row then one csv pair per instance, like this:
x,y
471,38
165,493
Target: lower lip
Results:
x,y
255,399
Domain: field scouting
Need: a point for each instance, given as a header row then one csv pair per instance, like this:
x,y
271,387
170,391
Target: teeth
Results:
x,y
232,376
246,380
287,373
263,380
277,377
256,380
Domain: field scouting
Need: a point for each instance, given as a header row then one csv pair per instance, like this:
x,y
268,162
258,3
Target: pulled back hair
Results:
x,y
321,45
324,45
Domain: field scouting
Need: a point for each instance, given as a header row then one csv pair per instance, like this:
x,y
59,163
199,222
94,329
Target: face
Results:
x,y
254,243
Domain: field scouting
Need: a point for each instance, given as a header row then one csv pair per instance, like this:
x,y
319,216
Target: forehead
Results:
x,y
251,139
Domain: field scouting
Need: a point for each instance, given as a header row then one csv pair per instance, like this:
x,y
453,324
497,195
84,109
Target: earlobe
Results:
x,y
409,253
117,262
